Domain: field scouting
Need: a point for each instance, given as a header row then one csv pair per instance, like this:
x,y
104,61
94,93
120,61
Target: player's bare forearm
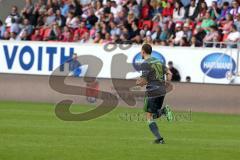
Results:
x,y
141,82
169,75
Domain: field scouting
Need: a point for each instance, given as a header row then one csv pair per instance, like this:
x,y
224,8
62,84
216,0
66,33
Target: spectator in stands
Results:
x,y
70,19
175,73
130,19
26,26
86,38
178,12
81,29
97,38
226,24
13,36
224,11
28,8
50,17
194,42
165,32
184,42
2,29
60,19
199,34
214,10
187,31
164,22
137,40
191,10
6,35
135,8
146,10
236,23
156,9
178,36
23,36
212,37
55,32
13,15
76,38
42,6
36,36
65,8
185,3
114,30
124,38
233,37
68,37
145,31
207,22
235,9
54,4
106,39
116,39
134,31
92,19
15,27
167,11
156,33
76,7
148,40
202,11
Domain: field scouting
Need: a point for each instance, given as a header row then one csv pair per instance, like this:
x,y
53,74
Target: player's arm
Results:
x,y
168,75
141,81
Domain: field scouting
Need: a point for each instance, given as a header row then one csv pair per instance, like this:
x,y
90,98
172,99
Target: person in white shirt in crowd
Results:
x,y
133,6
72,22
237,22
233,37
26,26
156,34
51,17
15,27
178,12
178,35
85,2
13,15
235,9
187,31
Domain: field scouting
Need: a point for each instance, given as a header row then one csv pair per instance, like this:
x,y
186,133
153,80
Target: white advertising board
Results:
x,y
203,65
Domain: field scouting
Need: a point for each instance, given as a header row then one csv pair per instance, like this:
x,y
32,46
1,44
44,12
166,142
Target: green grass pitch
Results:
x,y
31,131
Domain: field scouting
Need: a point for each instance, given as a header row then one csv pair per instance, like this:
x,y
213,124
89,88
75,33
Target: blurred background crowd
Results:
x,y
192,23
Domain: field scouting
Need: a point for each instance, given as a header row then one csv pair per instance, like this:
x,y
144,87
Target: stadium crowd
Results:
x,y
160,22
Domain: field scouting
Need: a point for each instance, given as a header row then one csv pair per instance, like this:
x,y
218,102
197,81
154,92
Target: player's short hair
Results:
x,y
147,48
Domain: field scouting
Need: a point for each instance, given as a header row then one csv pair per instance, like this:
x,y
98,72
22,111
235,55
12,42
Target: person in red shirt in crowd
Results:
x,y
145,12
68,37
46,33
81,30
36,36
168,10
64,32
